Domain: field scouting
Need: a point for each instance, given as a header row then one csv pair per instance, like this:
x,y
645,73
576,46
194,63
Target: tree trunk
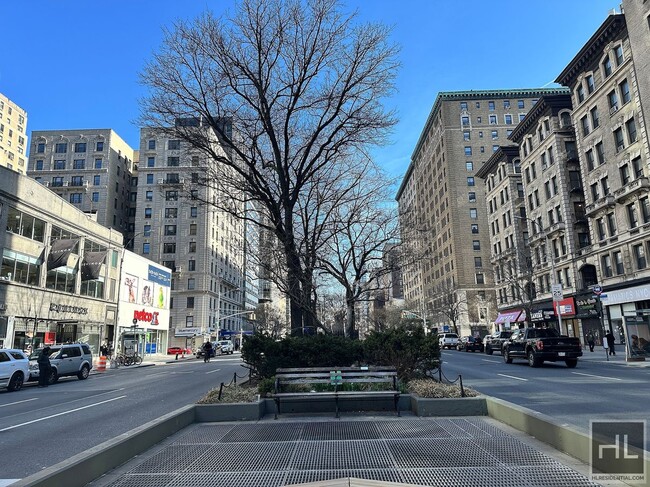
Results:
x,y
350,316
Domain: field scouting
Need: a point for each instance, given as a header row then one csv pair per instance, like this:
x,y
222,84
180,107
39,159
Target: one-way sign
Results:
x,y
597,290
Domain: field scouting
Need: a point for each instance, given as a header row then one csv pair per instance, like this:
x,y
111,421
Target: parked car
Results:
x,y
472,343
178,351
14,369
448,340
542,344
494,342
69,359
226,346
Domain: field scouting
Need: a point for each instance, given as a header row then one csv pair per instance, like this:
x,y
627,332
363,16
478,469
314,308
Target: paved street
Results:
x,y
595,389
41,427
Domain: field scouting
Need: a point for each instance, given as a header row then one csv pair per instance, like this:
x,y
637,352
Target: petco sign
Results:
x,y
146,316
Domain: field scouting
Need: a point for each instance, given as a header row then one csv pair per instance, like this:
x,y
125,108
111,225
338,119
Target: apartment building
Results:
x,y
509,255
612,144
90,169
443,209
202,245
13,135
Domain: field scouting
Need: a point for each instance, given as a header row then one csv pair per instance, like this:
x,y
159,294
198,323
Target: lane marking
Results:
x,y
512,377
491,361
18,402
215,370
61,414
596,376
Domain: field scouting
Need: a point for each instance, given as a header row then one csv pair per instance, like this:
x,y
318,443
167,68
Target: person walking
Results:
x,y
44,367
610,343
591,341
207,351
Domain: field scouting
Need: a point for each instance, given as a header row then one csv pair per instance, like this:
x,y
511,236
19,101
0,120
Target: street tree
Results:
x,y
449,303
288,88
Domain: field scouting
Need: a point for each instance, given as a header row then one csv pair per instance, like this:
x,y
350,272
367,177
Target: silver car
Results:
x,y
69,359
14,369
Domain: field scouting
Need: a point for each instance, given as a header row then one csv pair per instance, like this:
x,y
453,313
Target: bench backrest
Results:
x,y
336,376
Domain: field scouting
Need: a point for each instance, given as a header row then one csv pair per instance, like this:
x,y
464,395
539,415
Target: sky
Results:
x,y
75,64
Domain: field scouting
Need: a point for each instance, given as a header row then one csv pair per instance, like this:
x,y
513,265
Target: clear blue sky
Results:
x,y
74,64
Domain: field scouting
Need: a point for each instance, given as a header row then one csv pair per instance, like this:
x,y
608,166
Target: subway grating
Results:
x,y
472,452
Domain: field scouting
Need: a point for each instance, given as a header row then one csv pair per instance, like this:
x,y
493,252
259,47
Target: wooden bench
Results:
x,y
334,378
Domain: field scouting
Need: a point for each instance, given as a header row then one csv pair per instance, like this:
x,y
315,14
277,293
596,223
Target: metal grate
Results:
x,y
471,452
343,430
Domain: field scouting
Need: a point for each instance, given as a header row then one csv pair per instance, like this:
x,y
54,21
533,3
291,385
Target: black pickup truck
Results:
x,y
542,344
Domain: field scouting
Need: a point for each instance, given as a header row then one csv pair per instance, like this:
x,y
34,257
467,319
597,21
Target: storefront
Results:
x,y
545,314
143,316
588,312
628,316
507,320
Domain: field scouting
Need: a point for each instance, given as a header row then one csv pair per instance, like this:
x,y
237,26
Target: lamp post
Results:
x,y
556,288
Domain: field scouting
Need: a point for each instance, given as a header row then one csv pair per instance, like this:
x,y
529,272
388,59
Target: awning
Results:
x,y
509,316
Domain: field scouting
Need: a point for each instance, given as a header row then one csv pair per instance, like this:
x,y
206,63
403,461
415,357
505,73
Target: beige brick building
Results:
x,y
13,135
90,169
443,209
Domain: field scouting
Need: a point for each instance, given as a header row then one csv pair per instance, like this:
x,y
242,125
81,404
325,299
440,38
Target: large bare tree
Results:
x,y
289,88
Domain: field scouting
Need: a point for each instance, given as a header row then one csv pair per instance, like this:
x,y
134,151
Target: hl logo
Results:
x,y
617,450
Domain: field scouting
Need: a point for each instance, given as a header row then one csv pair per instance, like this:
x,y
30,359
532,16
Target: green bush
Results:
x,y
433,389
406,348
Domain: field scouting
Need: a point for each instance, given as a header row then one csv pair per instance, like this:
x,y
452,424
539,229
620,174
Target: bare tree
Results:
x,y
288,88
450,303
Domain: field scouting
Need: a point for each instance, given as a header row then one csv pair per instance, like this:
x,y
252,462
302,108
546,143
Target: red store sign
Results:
x,y
146,316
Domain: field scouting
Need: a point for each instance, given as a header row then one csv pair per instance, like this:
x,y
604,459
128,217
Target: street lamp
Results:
x,y
556,303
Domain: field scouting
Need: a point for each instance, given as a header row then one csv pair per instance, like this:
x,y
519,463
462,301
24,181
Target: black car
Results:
x,y
495,341
470,343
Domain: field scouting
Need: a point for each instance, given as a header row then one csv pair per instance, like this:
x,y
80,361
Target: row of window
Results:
x,y
492,105
492,119
172,161
613,264
494,134
62,147
588,85
60,164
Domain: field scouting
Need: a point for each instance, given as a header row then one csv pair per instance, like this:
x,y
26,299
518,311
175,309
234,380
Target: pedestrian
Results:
x,y
591,341
207,351
44,367
103,350
610,343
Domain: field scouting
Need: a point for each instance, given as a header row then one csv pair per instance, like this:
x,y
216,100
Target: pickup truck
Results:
x,y
495,341
538,345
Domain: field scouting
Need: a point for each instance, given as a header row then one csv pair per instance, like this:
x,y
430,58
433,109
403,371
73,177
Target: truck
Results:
x,y
539,345
495,341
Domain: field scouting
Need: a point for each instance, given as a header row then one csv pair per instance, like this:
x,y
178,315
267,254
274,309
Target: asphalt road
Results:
x,y
41,427
594,390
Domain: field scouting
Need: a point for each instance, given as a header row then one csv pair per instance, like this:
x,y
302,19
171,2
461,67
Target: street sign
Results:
x,y
556,289
597,290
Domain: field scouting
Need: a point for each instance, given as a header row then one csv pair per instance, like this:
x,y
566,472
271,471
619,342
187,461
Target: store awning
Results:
x,y
509,316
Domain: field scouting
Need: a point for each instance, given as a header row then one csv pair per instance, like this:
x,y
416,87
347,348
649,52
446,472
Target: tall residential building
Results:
x,y
202,245
89,168
443,218
637,19
612,142
13,135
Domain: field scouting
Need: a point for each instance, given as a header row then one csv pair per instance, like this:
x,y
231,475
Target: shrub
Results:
x,y
230,394
406,348
435,389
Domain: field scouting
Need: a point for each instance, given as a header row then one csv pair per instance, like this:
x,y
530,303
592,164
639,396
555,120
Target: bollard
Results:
x,y
101,364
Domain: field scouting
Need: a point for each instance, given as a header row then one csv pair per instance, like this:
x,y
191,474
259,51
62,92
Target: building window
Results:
x,y
639,256
618,54
147,212
98,163
506,104
191,265
493,119
495,148
171,195
191,283
170,230
612,98
146,231
645,209
192,247
95,197
611,224
171,213
80,147
632,217
619,141
476,244
173,144
606,262
75,198
637,167
151,144
146,247
470,181
169,248
584,123
468,150
59,164
466,135
193,228
57,181
99,146
600,153
618,262
464,120
473,213
580,92
631,130
520,104
590,84
595,121
173,161
148,196
463,105
471,197
624,171
474,228
469,165
600,228
39,165
478,262
151,161
607,66
194,211
190,302
79,164
61,148
77,181
480,278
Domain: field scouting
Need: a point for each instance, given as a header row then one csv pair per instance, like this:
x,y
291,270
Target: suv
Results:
x,y
448,340
69,359
14,369
472,343
495,341
226,346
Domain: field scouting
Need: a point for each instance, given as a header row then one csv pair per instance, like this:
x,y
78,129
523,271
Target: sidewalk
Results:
x,y
449,451
599,355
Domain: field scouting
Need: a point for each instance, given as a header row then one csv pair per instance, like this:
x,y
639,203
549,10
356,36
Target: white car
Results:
x,y
226,346
448,340
14,368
